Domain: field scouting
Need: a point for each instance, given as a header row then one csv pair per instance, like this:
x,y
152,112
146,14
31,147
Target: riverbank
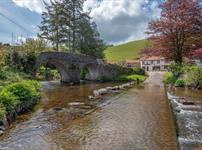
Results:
x,y
15,99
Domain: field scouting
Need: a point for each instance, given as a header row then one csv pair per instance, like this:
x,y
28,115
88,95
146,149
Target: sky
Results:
x,y
118,21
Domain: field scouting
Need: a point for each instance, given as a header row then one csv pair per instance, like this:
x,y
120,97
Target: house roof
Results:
x,y
132,61
153,58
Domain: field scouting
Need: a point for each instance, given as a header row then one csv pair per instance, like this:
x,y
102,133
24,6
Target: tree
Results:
x,y
89,38
179,29
65,23
51,28
72,13
24,57
197,54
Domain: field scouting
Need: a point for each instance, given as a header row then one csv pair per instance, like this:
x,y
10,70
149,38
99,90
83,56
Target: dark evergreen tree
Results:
x,y
51,26
89,38
64,22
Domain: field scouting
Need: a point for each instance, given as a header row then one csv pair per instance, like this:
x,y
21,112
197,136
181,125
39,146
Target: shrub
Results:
x,y
133,77
24,91
179,83
83,73
8,99
48,72
19,93
169,78
34,83
176,69
139,71
194,77
8,74
2,111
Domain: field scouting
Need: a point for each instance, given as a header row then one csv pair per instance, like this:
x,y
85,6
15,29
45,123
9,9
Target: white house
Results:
x,y
197,62
154,63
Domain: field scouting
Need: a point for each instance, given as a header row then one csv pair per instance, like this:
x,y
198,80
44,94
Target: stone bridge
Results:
x,y
70,65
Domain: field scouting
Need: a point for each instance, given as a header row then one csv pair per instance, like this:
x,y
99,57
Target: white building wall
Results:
x,y
149,65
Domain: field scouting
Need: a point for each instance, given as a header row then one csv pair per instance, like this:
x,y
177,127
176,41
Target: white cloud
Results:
x,y
118,20
33,5
122,20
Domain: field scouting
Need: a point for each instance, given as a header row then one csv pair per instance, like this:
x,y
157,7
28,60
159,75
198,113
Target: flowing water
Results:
x,y
187,106
135,119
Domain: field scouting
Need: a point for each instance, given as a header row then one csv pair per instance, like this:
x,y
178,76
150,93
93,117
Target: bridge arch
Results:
x,y
70,65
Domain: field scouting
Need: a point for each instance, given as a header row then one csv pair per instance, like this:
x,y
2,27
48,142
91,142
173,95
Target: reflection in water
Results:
x,y
136,119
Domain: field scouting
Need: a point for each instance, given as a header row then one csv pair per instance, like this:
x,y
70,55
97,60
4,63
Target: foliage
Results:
x,y
178,30
169,78
48,72
124,52
179,83
133,77
83,73
194,77
18,93
8,100
176,69
51,28
139,71
65,24
197,54
23,58
89,39
2,112
9,75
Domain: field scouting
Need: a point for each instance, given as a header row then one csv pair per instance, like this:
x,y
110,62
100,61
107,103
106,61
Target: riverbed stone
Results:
x,y
76,103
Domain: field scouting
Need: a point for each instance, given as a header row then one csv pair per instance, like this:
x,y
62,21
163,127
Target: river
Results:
x,y
135,119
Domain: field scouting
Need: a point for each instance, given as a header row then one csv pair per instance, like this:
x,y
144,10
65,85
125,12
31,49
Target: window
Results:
x,y
158,61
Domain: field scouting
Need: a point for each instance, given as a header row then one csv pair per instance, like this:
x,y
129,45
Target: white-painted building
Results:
x,y
154,63
197,62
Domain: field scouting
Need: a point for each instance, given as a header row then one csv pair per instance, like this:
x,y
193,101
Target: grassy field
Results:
x,y
125,51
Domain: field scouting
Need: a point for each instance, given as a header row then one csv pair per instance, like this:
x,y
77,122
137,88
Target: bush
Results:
x,y
24,91
139,71
134,77
8,74
2,111
169,78
83,73
194,77
8,100
179,83
176,69
48,73
18,93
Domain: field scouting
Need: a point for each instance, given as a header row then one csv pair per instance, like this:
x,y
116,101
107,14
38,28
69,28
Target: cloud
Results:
x,y
33,5
122,20
118,20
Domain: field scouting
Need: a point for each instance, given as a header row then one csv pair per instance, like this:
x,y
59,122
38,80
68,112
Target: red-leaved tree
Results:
x,y
179,29
197,54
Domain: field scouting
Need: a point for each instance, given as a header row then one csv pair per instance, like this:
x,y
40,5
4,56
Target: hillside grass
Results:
x,y
125,51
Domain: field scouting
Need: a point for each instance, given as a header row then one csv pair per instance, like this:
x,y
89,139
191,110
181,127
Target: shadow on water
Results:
x,y
136,119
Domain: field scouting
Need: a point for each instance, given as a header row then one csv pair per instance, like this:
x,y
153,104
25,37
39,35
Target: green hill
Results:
x,y
125,51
